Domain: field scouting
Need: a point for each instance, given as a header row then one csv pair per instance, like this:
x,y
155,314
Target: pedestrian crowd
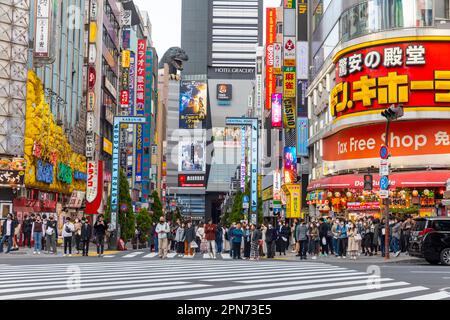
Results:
x,y
40,232
316,238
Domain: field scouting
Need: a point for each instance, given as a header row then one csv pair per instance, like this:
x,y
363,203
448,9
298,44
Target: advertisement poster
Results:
x,y
302,137
277,117
192,155
290,165
193,104
229,137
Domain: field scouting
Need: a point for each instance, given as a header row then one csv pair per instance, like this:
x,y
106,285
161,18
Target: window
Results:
x,y
442,225
442,9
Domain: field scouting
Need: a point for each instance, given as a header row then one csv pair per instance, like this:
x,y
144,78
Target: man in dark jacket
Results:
x,y
271,236
189,238
219,238
100,228
27,225
302,236
323,235
9,225
86,232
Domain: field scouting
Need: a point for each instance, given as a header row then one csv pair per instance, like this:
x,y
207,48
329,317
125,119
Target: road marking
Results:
x,y
274,278
385,293
133,254
433,296
329,292
430,272
284,286
188,257
226,256
151,255
171,255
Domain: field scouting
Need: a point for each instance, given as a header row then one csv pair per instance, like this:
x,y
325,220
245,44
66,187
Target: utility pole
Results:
x,y
392,113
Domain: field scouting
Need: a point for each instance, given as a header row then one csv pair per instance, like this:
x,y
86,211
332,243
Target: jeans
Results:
x,y
37,237
219,246
6,238
67,245
27,239
335,246
236,250
303,248
342,245
155,241
51,243
395,244
85,247
212,247
100,244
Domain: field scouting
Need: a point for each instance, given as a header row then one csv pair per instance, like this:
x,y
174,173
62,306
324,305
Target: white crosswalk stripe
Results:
x,y
134,254
206,279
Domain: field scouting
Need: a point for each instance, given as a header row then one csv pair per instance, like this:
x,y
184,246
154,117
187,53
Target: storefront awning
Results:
x,y
416,179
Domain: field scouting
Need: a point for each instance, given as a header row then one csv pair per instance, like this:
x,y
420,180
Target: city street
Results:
x,y
143,277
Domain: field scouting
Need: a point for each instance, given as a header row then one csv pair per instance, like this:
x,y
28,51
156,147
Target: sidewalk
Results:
x,y
28,253
378,259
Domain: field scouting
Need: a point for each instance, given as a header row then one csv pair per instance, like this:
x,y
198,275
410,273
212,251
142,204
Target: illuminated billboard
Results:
x,y
277,118
290,165
193,104
192,155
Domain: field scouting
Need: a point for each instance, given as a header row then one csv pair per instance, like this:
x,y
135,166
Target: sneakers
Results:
x,y
314,257
39,252
338,257
34,252
70,255
64,255
397,253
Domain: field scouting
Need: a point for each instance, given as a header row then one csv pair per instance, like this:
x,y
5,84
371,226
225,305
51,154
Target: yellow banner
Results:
x,y
126,58
107,146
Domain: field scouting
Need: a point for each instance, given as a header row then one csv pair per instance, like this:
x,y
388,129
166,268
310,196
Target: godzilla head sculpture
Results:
x,y
174,57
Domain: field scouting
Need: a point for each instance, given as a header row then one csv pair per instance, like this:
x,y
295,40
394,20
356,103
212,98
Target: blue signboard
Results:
x,y
44,172
77,175
384,183
132,73
302,137
126,38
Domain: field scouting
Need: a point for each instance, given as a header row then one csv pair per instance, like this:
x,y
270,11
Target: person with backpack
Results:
x,y
51,233
85,236
100,228
67,234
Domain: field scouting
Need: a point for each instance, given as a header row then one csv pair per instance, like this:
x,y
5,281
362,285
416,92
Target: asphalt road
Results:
x,y
140,278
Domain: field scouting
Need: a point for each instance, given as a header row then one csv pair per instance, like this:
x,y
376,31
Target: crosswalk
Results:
x,y
153,255
149,279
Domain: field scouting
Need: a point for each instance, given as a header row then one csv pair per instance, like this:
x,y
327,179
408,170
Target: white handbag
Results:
x,y
49,231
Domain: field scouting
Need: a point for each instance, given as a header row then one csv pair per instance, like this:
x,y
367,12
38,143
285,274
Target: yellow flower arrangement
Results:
x,y
40,126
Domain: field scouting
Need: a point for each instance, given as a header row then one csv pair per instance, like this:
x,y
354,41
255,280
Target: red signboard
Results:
x,y
191,181
124,98
94,194
406,138
413,73
271,25
92,77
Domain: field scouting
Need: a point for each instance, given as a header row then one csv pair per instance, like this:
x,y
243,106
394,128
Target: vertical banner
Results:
x,y
277,99
276,185
290,165
271,24
289,49
254,172
243,163
289,83
94,186
277,59
140,107
259,81
302,137
302,20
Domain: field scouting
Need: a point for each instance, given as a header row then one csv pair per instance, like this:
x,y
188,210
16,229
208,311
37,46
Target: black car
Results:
x,y
430,239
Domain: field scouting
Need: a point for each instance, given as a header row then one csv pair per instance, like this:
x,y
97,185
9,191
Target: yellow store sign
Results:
x,y
293,200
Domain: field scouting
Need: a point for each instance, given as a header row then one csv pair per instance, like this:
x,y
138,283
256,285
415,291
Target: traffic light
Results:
x,y
368,182
393,112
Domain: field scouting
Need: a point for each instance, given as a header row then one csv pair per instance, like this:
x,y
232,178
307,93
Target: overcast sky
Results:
x,y
165,16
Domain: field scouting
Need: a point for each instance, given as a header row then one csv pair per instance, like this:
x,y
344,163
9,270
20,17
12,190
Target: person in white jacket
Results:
x,y
162,229
67,233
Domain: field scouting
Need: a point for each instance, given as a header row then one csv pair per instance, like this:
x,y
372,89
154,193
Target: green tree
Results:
x,y
156,207
127,217
144,223
236,212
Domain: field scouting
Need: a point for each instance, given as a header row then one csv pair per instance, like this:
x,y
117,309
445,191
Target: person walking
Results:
x,y
27,225
219,238
353,238
323,235
314,240
210,236
163,229
343,239
36,233
67,234
51,233
271,236
302,236
85,236
77,235
100,228
179,239
238,234
256,242
9,226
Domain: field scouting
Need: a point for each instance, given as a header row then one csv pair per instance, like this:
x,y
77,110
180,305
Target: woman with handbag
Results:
x,y
353,238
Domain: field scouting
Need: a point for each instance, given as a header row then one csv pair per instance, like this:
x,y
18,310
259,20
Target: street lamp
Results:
x,y
392,113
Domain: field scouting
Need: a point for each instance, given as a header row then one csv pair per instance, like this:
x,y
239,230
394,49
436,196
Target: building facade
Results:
x,y
364,57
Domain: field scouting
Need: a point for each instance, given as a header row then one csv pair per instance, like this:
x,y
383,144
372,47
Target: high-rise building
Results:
x,y
364,57
222,62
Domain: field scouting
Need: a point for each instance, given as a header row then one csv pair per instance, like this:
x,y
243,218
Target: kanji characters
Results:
x,y
343,67
393,57
355,63
365,90
442,82
396,90
442,139
339,98
415,55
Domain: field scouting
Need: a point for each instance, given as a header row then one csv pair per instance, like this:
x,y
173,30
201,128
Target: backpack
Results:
x,y
219,233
